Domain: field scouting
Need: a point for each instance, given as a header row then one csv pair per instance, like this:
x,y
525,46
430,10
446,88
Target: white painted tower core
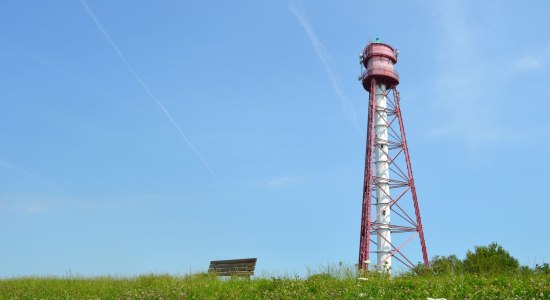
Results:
x,y
383,237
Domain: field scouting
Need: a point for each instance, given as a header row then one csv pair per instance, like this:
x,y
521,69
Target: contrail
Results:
x,y
148,91
324,57
33,57
7,165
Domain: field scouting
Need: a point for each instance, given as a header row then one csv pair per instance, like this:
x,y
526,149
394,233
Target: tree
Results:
x,y
447,265
440,265
543,269
491,259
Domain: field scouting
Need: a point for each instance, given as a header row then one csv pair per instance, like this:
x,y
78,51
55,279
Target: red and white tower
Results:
x,y
390,204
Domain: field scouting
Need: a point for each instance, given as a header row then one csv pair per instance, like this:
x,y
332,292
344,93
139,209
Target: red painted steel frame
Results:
x,y
398,142
364,244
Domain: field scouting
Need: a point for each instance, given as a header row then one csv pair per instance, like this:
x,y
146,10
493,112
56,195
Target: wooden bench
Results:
x,y
233,267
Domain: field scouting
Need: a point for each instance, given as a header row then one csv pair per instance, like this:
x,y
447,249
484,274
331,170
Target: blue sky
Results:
x,y
155,136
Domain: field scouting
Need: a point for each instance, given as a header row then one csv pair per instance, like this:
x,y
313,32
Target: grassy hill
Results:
x,y
322,286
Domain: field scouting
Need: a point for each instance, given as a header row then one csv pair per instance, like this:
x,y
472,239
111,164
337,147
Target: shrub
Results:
x,y
491,259
542,269
448,265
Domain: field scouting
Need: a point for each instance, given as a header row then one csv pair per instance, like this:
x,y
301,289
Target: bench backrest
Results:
x,y
233,267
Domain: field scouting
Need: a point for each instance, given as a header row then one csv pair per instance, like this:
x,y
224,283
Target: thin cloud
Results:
x,y
52,67
149,92
442,131
534,60
528,62
23,172
461,87
40,203
325,59
278,182
27,207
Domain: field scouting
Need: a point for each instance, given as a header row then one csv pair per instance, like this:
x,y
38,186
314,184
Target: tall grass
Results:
x,y
328,282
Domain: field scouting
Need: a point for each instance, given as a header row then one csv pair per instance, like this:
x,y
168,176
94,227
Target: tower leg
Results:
x,y
419,228
366,214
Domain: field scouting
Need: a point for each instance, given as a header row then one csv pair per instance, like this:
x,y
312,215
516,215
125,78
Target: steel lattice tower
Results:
x,y
388,187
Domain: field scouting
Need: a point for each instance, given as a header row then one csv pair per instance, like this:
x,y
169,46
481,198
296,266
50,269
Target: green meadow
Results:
x,y
319,286
488,272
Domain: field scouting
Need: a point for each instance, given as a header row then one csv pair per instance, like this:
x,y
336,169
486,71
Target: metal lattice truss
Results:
x,y
403,199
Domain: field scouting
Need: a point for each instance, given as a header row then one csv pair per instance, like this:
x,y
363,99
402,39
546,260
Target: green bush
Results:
x,y
440,265
491,259
420,270
449,265
543,269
